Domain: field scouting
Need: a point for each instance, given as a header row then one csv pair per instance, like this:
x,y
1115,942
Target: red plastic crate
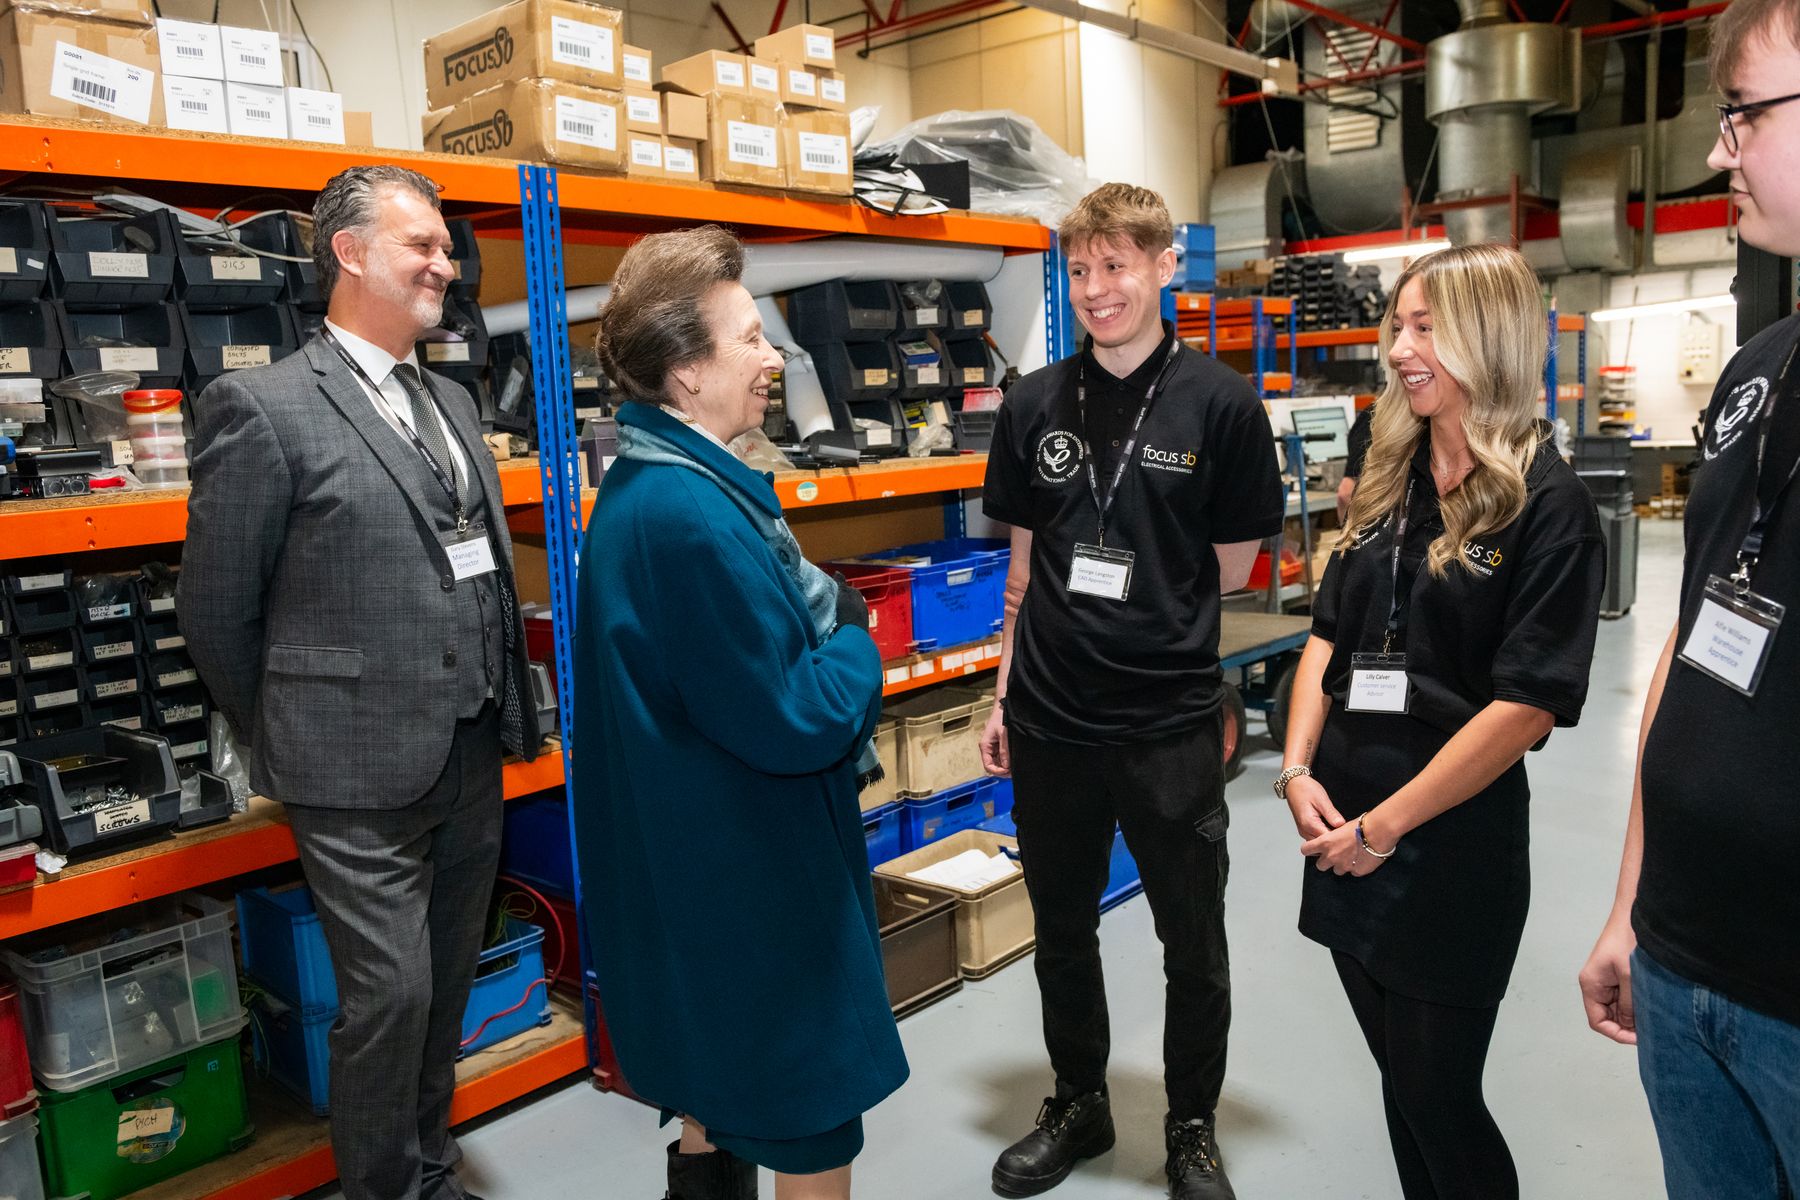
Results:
x,y
17,1094
1259,572
558,921
604,1060
889,593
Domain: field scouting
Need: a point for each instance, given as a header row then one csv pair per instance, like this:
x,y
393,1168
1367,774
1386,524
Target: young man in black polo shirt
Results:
x,y
1139,478
1699,963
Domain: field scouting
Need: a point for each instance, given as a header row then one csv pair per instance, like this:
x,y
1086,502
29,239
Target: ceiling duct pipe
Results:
x,y
1273,20
1476,13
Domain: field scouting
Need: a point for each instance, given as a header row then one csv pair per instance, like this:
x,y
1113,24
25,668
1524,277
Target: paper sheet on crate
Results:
x,y
969,871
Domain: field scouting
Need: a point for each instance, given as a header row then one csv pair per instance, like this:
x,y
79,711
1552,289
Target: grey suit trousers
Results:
x,y
402,896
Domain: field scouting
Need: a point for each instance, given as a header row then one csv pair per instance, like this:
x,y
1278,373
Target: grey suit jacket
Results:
x,y
316,598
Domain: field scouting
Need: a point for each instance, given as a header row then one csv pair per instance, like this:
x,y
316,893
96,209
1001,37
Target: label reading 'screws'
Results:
x,y
96,81
236,358
825,153
110,820
587,123
578,44
14,360
751,145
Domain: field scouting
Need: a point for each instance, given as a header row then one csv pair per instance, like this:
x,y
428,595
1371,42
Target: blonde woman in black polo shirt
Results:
x,y
1451,633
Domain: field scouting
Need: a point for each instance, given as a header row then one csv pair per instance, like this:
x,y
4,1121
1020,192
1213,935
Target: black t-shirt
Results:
x,y
1359,443
1520,627
1718,901
1092,671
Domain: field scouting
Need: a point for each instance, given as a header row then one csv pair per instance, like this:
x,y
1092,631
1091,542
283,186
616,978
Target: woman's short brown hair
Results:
x,y
1119,212
652,322
1746,20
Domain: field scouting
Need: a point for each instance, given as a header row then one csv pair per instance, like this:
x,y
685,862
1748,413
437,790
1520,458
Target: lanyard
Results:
x,y
1394,606
1104,504
1751,548
445,481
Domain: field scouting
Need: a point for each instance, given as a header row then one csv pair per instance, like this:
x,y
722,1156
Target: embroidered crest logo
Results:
x,y
1058,456
1742,406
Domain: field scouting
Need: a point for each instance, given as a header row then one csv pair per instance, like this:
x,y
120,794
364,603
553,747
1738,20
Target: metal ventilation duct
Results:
x,y
1246,211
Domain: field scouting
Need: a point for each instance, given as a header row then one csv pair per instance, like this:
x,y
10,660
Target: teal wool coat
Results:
x,y
725,876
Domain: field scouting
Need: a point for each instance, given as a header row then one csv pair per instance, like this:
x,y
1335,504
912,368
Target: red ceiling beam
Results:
x,y
916,20
1332,14
1635,24
1386,17
781,11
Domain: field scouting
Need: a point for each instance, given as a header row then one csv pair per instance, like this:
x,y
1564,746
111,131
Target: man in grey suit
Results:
x,y
346,591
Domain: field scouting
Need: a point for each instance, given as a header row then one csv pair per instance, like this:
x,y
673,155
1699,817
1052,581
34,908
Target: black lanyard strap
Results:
x,y
1103,504
1750,551
1395,605
444,479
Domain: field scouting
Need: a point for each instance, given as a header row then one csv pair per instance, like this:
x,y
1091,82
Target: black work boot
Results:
x,y
1194,1169
1070,1127
716,1175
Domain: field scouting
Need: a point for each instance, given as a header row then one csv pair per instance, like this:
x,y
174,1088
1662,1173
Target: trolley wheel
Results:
x,y
1232,707
1284,693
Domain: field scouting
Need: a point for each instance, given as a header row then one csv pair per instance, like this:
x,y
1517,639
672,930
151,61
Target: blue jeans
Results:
x,y
1724,1088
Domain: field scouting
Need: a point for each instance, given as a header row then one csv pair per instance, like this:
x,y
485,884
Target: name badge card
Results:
x,y
1098,571
471,554
1378,684
1731,635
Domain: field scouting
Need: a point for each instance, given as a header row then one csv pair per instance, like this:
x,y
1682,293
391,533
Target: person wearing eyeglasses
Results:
x,y
1699,962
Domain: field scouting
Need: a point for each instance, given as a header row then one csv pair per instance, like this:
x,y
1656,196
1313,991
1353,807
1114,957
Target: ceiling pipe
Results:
x,y
1278,76
1409,67
1476,13
1638,24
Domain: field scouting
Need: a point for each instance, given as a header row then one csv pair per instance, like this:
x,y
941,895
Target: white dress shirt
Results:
x,y
696,426
391,400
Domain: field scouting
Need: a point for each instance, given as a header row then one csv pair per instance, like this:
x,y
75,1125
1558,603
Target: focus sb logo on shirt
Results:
x,y
1483,558
1742,406
1058,456
1182,462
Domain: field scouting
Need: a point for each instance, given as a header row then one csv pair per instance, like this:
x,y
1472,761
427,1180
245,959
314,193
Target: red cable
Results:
x,y
562,946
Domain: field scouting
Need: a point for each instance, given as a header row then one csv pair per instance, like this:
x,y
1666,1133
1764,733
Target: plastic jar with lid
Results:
x,y
153,423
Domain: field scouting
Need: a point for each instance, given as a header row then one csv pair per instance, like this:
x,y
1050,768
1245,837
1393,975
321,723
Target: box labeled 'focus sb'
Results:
x,y
528,39
537,119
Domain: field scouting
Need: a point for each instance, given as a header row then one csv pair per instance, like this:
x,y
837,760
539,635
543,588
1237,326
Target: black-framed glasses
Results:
x,y
1727,113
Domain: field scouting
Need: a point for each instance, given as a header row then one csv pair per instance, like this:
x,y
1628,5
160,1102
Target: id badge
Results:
x,y
1378,684
471,554
1731,635
1098,571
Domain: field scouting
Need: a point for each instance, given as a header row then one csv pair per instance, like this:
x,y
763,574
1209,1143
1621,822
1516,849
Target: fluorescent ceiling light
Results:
x,y
1632,311
1397,250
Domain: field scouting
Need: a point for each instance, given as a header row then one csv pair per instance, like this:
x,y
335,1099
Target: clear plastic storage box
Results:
x,y
20,1176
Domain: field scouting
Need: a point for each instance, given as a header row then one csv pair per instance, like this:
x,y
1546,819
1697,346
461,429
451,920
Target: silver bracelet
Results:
x,y
1288,776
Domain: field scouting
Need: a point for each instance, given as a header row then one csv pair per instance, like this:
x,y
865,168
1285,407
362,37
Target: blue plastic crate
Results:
x,y
949,811
959,596
284,948
1122,880
290,1048
511,994
884,829
534,846
1003,796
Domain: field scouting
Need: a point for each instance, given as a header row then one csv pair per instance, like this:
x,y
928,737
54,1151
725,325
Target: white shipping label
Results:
x,y
128,358
96,81
929,376
679,160
9,261
119,265
818,45
235,358
196,105
637,69
113,650
764,78
752,145
879,437
119,687
141,1123
14,360
447,352
728,74
875,377
48,700
802,83
578,44
831,91
825,153
647,152
643,109
236,266
587,123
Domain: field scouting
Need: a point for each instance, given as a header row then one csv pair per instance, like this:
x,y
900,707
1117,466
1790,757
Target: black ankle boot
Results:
x,y
1194,1169
716,1175
1070,1127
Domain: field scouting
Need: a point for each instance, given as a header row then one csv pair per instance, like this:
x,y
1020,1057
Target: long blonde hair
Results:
x,y
1489,332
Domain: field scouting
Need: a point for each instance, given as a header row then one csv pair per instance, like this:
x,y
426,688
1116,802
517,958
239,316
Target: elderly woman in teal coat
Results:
x,y
725,694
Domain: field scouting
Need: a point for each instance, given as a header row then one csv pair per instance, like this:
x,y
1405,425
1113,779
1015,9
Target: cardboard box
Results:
x,y
805,45
644,155
544,120
713,71
191,49
256,111
643,110
810,87
743,143
315,116
681,158
684,116
816,148
129,12
636,66
359,128
195,104
832,93
251,56
764,79
527,39
54,65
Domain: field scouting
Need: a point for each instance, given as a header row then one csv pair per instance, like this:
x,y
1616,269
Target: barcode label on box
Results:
x,y
802,83
317,121
177,678
644,109
974,375
236,358
116,264
679,160
128,358
172,642
252,60
48,700
114,650
121,687
236,266
973,316
727,73
647,153
765,78
188,749
875,377
96,81
752,145
140,1123
189,52
930,376
195,106
825,153
579,44
9,261
832,90
14,360
587,123
818,45
637,69
108,612
447,352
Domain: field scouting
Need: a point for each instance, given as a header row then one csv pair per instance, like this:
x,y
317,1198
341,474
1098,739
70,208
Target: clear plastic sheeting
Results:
x,y
1013,167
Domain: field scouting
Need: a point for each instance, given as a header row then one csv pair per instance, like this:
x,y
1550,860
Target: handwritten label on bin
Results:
x,y
14,360
127,358
236,358
236,266
115,264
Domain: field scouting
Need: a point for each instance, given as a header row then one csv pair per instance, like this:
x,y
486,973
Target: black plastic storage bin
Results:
x,y
872,441
466,358
170,670
968,312
56,722
918,379
162,633
30,338
105,643
113,680
970,365
105,598
50,691
154,331
975,430
9,692
839,311
42,611
67,773
120,712
856,372
24,251
57,650
110,260
179,706
221,340
156,589
465,258
212,274
923,309
188,744
1602,454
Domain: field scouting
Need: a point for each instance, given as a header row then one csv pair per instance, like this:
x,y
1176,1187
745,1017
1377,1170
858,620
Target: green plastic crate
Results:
x,y
143,1127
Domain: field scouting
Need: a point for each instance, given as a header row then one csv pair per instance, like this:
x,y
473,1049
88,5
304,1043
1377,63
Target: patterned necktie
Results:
x,y
425,419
